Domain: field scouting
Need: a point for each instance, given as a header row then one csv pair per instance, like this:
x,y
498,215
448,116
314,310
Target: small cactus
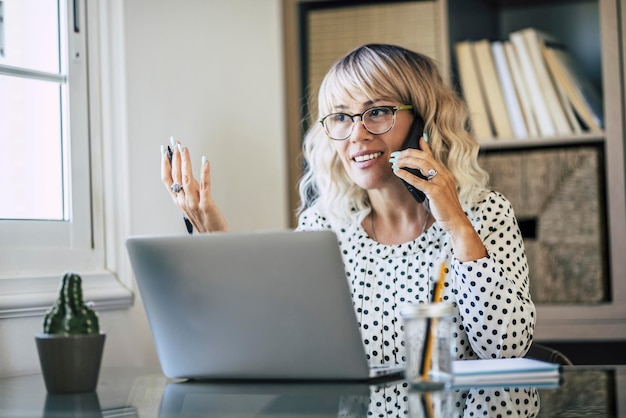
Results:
x,y
69,314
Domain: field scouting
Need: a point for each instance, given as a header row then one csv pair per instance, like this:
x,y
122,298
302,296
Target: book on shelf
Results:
x,y
539,105
472,91
505,372
577,88
534,41
492,88
521,89
511,99
569,109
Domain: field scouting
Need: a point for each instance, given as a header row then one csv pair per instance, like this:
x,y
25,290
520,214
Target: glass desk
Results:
x,y
585,391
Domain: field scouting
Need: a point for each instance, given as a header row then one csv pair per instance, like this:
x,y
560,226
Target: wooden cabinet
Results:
x,y
569,192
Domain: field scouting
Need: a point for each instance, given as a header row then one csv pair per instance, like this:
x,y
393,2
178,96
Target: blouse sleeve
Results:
x,y
493,292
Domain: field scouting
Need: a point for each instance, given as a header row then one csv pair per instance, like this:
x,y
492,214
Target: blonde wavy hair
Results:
x,y
390,72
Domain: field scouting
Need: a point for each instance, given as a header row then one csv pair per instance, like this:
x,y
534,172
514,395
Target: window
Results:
x,y
51,211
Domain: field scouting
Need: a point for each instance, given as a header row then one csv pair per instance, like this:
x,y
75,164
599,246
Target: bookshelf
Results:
x,y
592,30
530,32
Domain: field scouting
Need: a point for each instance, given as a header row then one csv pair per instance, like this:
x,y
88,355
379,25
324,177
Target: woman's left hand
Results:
x,y
440,189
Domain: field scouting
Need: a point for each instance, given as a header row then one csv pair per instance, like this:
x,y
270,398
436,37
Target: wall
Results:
x,y
210,73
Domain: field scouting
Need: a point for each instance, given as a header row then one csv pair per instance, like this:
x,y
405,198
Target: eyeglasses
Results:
x,y
377,120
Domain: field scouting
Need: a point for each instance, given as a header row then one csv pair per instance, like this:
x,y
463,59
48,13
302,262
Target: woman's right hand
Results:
x,y
194,199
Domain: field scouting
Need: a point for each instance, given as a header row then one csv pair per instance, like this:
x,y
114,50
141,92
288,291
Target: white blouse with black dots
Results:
x,y
495,315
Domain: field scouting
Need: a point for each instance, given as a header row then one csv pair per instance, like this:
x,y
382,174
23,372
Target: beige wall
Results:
x,y
210,73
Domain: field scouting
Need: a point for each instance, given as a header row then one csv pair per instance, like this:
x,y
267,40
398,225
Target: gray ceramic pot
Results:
x,y
70,363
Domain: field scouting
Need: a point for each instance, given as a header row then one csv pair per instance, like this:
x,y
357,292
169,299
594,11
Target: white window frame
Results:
x,y
92,243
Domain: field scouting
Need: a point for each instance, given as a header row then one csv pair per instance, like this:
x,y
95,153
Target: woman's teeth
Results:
x,y
367,157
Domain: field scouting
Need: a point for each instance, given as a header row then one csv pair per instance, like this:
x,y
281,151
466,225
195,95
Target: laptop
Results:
x,y
254,305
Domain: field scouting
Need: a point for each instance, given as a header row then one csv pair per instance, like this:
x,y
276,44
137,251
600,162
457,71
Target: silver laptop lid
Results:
x,y
254,305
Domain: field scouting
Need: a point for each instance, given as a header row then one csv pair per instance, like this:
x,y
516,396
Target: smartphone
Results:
x,y
188,223
412,141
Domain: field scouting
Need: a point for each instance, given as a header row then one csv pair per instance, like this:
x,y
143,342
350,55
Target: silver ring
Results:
x,y
176,187
431,173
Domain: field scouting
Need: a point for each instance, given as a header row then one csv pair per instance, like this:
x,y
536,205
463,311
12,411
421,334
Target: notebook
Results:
x,y
256,305
506,372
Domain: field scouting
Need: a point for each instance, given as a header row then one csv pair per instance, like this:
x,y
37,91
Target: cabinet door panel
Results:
x,y
559,200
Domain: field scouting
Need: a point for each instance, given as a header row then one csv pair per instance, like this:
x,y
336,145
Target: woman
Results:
x,y
354,184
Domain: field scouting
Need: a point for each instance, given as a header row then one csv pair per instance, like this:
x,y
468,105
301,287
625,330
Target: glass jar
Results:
x,y
429,344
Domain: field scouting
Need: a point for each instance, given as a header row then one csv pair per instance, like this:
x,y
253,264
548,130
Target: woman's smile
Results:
x,y
366,156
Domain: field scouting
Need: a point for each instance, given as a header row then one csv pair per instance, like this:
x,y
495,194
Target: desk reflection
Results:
x,y
585,391
498,402
185,399
191,399
76,405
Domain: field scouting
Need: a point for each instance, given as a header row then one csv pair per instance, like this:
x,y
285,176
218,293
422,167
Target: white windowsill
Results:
x,y
33,296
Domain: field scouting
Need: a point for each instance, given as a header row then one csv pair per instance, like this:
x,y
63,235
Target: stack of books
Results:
x,y
526,86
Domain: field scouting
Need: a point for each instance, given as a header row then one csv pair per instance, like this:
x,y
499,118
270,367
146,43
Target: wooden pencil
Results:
x,y
438,294
430,335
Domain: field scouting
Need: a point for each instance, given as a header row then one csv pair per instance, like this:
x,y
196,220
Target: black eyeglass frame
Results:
x,y
394,109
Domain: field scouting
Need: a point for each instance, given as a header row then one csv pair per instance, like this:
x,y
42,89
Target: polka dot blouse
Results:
x,y
494,317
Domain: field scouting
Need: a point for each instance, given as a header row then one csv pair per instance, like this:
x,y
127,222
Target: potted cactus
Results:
x,y
70,347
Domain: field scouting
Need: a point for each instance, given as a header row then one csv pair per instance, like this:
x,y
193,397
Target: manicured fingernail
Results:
x,y
425,137
172,141
180,148
203,160
162,150
393,160
395,153
395,167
